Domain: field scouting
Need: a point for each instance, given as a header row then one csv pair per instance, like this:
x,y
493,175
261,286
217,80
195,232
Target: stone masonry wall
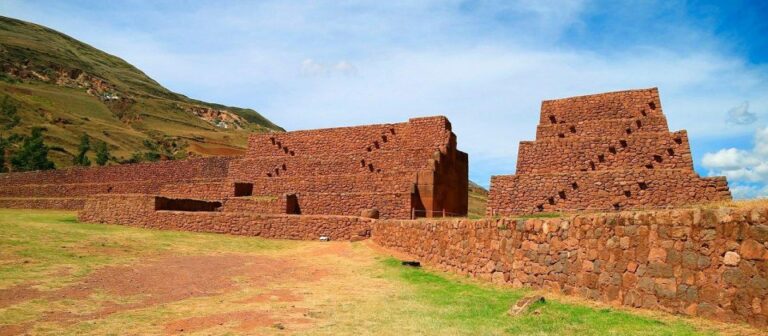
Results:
x,y
67,188
701,262
69,203
170,171
428,132
367,164
138,211
390,205
602,190
628,104
340,170
644,151
335,171
383,182
608,151
602,128
266,205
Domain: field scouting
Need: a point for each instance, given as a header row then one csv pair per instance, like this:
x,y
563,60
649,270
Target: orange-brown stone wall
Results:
x,y
138,211
609,151
338,171
602,190
711,263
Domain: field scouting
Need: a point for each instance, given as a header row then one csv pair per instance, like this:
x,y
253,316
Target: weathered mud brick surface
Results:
x,y
608,151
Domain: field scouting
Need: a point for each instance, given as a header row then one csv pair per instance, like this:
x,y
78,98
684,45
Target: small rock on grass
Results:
x,y
523,304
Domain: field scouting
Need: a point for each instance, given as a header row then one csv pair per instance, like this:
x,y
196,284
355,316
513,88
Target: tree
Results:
x,y
82,156
3,145
8,117
151,154
33,154
102,153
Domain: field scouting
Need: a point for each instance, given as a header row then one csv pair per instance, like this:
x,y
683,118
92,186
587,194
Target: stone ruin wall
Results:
x,y
392,167
601,191
140,211
69,188
607,151
711,263
336,171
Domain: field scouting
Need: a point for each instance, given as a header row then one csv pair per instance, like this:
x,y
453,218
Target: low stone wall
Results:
x,y
73,203
138,210
710,263
198,190
259,205
390,205
162,171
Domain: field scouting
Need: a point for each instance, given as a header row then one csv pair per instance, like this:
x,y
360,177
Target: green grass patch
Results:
x,y
35,244
472,308
542,215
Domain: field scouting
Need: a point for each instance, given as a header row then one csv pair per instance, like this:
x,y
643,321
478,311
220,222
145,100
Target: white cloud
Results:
x,y
746,170
310,67
740,115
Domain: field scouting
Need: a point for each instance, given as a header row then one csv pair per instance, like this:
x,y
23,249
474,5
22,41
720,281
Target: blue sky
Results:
x,y
485,64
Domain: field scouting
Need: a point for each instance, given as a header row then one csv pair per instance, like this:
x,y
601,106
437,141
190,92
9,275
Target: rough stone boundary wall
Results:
x,y
82,189
138,210
710,263
72,203
168,171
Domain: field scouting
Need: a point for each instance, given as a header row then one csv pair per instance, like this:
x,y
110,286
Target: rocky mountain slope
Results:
x,y
71,88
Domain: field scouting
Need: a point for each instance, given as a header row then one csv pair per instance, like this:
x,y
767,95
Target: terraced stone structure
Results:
x,y
608,151
400,170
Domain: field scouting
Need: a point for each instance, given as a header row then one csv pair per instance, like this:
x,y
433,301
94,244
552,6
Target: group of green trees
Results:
x,y
29,152
102,152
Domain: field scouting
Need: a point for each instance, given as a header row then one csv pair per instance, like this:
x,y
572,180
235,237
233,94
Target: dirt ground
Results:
x,y
239,292
61,277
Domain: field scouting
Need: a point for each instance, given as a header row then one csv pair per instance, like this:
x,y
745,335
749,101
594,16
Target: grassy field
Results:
x,y
58,276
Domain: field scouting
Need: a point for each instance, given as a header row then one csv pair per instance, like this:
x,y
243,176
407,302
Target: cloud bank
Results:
x,y
485,64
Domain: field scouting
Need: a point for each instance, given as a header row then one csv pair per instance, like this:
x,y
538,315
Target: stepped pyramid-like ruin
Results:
x,y
402,170
608,151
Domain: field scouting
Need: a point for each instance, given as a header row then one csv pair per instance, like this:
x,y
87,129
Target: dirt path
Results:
x,y
199,293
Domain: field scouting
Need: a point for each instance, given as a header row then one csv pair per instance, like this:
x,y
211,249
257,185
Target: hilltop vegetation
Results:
x,y
69,89
478,197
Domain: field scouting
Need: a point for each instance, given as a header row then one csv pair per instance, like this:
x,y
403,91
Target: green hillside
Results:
x,y
478,197
71,88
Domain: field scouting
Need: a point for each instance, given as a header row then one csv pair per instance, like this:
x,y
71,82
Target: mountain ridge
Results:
x,y
69,87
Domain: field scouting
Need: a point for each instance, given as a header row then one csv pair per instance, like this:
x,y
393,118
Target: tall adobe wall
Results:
x,y
606,151
400,169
